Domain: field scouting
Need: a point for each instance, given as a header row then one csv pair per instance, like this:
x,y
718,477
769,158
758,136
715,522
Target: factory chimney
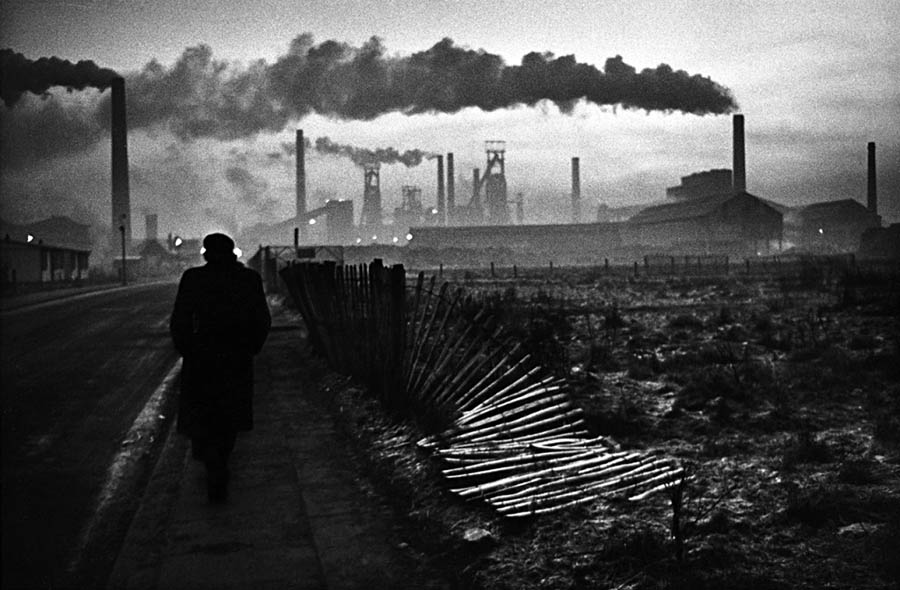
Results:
x,y
739,171
121,201
872,192
301,174
576,190
152,227
451,191
441,205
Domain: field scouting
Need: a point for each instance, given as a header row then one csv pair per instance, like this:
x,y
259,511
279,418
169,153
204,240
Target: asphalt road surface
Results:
x,y
75,374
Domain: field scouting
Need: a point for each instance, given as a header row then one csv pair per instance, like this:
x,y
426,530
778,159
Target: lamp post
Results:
x,y
122,231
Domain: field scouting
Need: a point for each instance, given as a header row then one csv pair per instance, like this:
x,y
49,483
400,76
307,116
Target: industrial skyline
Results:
x,y
813,80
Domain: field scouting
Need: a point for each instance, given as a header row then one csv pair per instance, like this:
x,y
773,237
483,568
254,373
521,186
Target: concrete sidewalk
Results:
x,y
296,516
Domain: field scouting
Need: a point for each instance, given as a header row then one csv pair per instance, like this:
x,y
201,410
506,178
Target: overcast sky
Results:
x,y
815,79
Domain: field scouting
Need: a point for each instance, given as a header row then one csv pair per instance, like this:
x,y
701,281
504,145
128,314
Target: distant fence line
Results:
x,y
505,430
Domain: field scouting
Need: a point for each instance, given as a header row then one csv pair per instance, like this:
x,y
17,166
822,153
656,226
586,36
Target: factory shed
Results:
x,y
579,243
832,226
56,249
720,224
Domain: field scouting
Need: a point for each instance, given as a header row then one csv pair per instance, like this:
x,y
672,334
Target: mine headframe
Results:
x,y
371,209
492,185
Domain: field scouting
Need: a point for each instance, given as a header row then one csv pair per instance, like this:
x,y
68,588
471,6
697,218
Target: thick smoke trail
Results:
x,y
200,96
362,156
19,75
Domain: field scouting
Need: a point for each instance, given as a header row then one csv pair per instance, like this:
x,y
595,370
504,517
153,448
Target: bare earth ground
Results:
x,y
782,396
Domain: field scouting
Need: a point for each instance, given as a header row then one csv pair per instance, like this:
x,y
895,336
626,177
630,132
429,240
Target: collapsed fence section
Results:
x,y
506,431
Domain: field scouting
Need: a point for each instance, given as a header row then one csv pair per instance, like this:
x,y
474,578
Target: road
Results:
x,y
75,374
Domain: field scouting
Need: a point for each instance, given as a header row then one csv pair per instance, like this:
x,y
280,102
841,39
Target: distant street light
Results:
x,y
29,239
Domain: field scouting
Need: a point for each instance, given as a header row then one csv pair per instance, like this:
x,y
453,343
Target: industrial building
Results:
x,y
831,226
56,249
837,226
699,185
710,212
739,223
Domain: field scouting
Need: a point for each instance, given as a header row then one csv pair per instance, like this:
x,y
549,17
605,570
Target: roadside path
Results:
x,y
296,516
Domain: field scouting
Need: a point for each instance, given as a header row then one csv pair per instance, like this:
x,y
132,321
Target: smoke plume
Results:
x,y
362,156
200,96
19,75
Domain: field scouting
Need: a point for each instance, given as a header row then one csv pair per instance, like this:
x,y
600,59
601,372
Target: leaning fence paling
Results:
x,y
505,430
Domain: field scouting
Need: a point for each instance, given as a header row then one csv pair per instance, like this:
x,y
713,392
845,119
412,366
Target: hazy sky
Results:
x,y
815,79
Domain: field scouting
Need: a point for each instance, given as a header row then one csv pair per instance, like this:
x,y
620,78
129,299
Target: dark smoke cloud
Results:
x,y
19,75
359,156
362,156
41,130
200,96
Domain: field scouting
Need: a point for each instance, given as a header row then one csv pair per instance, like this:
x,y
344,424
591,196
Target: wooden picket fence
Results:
x,y
504,429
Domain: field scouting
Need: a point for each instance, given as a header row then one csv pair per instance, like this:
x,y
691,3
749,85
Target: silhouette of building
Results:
x,y
831,226
56,249
702,184
725,223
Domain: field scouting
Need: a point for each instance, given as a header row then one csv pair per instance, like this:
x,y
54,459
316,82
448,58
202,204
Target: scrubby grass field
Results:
x,y
781,395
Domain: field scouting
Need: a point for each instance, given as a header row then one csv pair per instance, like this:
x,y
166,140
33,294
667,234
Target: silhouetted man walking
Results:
x,y
219,323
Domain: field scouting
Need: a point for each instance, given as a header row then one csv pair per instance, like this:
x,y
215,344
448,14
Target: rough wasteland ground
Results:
x,y
782,396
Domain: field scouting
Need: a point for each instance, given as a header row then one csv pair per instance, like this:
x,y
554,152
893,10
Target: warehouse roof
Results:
x,y
692,208
53,232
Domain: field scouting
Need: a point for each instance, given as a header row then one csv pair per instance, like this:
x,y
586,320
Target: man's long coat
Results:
x,y
220,321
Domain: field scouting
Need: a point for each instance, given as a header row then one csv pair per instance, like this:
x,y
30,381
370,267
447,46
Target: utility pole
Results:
x,y
122,231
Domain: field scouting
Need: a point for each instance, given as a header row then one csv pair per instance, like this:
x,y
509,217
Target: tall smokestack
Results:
x,y
441,205
872,192
152,227
451,190
301,174
739,170
576,190
121,200
476,174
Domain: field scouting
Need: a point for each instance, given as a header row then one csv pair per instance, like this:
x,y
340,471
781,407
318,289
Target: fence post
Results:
x,y
492,269
606,265
515,272
635,268
441,270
